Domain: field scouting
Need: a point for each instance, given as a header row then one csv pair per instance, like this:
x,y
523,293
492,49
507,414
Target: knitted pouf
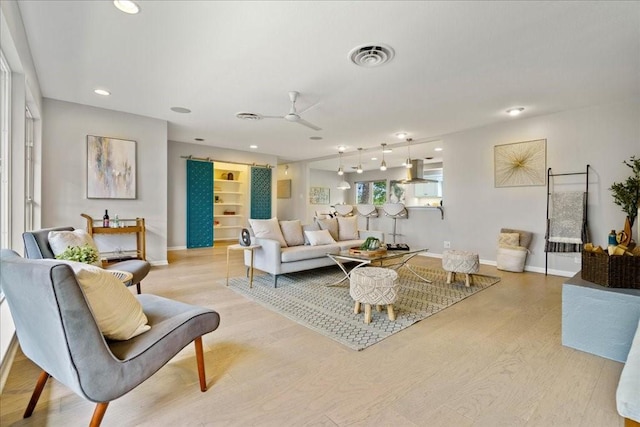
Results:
x,y
454,261
373,286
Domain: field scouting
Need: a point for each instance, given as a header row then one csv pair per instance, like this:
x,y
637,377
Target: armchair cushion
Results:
x,y
117,312
61,240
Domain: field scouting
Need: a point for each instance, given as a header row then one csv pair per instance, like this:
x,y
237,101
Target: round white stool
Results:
x,y
373,285
454,261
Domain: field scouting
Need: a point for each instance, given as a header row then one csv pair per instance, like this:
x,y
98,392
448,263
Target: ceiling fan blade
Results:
x,y
303,122
273,117
309,108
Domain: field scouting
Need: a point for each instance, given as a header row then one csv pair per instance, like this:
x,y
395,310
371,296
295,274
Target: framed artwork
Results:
x,y
111,168
520,164
284,189
397,191
319,195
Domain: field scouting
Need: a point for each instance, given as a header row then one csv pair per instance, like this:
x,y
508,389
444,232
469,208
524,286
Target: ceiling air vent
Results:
x,y
371,55
248,116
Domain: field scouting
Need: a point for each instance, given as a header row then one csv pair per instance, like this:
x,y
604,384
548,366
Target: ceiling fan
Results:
x,y
293,115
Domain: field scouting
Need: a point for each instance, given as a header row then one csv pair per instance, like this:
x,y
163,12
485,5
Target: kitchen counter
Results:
x,y
440,208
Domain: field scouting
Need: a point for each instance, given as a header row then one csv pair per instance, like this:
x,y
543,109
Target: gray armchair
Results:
x,y
57,331
36,246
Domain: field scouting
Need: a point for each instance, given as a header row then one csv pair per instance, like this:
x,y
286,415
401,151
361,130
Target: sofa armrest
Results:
x,y
371,233
266,258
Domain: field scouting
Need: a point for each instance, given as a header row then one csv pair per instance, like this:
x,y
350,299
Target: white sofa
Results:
x,y
276,258
628,393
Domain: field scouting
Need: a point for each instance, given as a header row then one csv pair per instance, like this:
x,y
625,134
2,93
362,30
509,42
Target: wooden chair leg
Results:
x,y
98,414
356,309
200,360
449,277
390,312
367,313
42,380
467,280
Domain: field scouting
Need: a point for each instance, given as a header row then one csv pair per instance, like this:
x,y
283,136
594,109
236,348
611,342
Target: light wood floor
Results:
x,y
494,359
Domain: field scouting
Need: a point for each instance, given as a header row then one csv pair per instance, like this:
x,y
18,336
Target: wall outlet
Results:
x,y
447,244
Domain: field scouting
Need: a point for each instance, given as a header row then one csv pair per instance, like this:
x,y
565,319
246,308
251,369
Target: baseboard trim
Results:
x,y
7,361
161,262
176,248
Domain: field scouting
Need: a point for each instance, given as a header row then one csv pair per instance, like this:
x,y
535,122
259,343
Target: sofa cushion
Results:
x,y
309,227
331,225
268,229
319,238
347,227
292,232
301,253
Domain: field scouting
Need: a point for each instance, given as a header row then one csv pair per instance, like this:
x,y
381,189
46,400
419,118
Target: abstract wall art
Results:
x,y
111,168
520,164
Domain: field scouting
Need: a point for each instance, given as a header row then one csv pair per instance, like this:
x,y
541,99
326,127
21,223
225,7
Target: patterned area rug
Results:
x,y
305,298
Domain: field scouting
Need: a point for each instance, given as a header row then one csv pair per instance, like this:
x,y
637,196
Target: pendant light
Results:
x,y
343,185
383,165
359,169
407,164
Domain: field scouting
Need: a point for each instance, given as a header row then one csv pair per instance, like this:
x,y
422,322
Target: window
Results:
x,y
371,192
5,153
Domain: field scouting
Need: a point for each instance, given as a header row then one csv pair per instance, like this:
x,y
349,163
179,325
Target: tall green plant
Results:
x,y
627,194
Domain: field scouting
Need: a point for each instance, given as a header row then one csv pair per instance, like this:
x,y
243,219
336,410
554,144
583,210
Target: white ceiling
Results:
x,y
457,65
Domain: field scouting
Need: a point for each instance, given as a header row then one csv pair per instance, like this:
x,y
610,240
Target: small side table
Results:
x,y
124,276
239,247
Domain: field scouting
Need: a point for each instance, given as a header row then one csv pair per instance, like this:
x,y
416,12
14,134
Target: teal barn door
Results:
x,y
199,204
260,193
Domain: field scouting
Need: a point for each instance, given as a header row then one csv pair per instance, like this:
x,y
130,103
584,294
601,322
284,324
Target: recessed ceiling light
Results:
x,y
515,111
102,92
199,139
127,6
315,138
181,110
374,158
437,149
253,147
401,135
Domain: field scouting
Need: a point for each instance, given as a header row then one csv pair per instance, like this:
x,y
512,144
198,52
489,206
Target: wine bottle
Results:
x,y
105,219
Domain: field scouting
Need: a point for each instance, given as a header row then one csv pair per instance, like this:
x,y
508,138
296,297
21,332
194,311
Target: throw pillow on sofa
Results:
x,y
320,237
348,228
292,232
268,229
331,225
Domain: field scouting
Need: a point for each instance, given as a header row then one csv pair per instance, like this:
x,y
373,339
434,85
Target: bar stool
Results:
x,y
395,211
367,211
344,210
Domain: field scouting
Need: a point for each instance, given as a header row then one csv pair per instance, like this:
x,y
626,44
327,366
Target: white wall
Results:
x,y
64,152
474,210
177,176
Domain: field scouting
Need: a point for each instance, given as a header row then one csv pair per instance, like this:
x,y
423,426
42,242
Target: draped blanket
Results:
x,y
567,227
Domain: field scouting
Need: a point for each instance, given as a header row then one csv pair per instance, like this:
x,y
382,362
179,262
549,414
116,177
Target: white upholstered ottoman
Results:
x,y
373,285
454,261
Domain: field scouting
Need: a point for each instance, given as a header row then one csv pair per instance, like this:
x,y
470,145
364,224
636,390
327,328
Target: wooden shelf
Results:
x,y
228,180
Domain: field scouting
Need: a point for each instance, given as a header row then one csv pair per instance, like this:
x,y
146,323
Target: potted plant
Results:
x,y
85,254
627,195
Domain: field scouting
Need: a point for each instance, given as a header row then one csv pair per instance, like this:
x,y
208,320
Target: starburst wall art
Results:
x,y
520,164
